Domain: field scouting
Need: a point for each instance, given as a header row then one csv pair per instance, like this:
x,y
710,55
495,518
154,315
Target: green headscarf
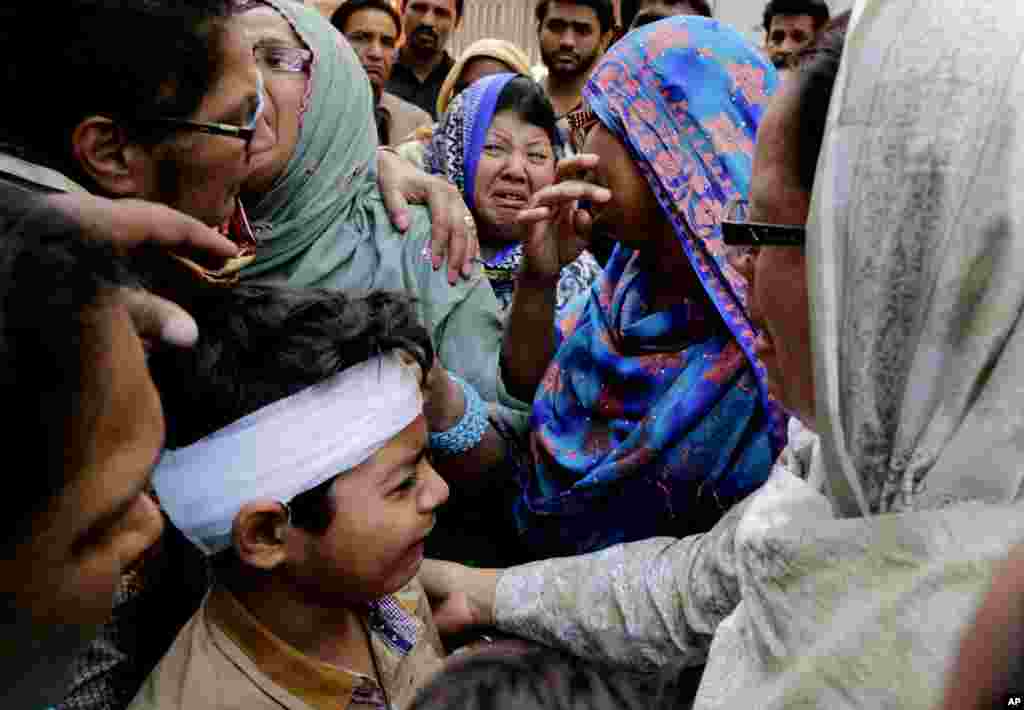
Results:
x,y
323,223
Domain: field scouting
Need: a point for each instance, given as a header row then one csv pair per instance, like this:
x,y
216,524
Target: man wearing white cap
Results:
x,y
300,471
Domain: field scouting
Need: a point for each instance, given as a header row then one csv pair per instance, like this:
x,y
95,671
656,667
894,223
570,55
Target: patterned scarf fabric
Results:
x,y
654,423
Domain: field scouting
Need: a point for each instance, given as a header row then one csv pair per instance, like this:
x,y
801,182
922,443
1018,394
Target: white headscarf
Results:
x,y
915,259
287,447
915,264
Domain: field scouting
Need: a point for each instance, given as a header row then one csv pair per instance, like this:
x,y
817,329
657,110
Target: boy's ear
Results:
x,y
258,534
104,153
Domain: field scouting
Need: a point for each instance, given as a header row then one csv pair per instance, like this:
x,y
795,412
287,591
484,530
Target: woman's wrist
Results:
x,y
527,277
445,410
482,590
468,431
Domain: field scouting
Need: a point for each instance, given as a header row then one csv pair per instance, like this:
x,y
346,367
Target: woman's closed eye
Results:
x,y
496,150
406,484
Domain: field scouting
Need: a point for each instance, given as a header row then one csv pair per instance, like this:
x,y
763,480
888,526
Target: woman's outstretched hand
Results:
x,y
461,597
559,230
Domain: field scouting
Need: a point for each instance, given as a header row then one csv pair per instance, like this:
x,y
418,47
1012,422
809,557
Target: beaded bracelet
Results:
x,y
471,427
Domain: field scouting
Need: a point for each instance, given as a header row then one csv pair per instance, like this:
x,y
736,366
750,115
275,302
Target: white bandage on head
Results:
x,y
288,447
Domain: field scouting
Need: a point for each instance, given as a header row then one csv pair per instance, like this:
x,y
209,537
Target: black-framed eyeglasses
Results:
x,y
245,133
737,231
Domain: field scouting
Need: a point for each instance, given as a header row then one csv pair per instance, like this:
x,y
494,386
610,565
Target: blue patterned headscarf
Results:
x,y
655,423
458,140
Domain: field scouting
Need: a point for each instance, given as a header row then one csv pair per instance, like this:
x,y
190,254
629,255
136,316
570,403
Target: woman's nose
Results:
x,y
265,137
515,166
435,493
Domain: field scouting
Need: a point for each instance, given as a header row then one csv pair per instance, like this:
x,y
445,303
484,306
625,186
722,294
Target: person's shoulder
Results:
x,y
396,104
172,684
17,173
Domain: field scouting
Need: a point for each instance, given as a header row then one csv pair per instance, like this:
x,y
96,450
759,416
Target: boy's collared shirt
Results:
x,y
225,658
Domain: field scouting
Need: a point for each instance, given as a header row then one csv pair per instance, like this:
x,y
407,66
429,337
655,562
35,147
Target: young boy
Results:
x,y
298,466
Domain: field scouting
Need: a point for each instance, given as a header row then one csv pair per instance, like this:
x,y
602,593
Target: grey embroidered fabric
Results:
x,y
849,586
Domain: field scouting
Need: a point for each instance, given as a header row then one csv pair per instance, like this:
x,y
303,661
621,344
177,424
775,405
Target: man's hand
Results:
x,y
132,223
461,597
453,230
158,320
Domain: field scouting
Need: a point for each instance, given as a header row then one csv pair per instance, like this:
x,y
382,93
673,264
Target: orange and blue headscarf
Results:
x,y
656,423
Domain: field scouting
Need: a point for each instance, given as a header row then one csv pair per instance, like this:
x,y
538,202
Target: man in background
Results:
x,y
790,26
637,13
424,62
373,28
572,35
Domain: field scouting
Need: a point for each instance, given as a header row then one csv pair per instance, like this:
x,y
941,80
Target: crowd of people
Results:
x,y
674,372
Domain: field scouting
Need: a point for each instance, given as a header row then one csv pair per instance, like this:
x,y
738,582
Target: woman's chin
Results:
x,y
264,172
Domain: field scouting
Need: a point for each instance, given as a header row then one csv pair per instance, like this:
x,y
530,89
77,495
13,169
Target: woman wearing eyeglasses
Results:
x,y
317,213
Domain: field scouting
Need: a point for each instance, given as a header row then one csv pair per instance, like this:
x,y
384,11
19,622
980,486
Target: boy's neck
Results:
x,y
336,635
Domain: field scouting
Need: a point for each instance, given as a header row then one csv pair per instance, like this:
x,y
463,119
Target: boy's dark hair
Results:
x,y
260,344
628,9
817,9
508,677
603,8
351,7
458,8
816,77
530,102
116,58
53,286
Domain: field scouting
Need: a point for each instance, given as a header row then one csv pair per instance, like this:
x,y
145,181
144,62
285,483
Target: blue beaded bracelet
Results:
x,y
471,427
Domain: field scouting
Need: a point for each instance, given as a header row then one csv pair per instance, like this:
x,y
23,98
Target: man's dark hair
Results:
x,y
458,7
530,102
628,10
603,8
260,344
53,287
116,58
351,7
816,77
817,9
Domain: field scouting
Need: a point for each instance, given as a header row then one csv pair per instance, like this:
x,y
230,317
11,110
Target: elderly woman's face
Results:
x,y
285,90
779,291
517,160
